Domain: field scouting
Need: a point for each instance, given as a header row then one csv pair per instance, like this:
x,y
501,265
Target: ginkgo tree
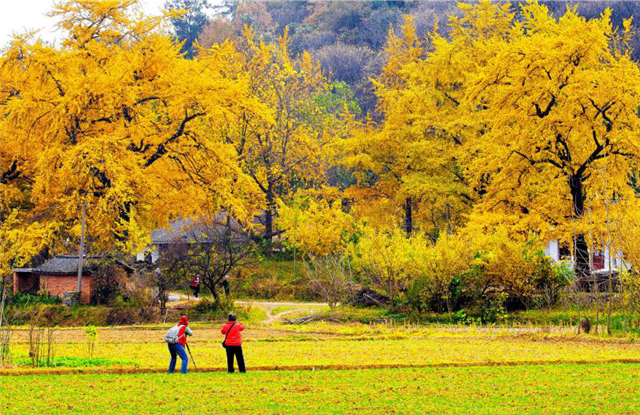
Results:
x,y
556,104
116,119
405,172
282,148
317,223
533,107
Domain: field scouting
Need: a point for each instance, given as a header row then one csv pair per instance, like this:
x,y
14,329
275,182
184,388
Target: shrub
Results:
x,y
493,309
141,294
550,287
122,313
108,281
330,278
486,273
267,286
389,260
437,286
209,309
21,300
273,278
64,361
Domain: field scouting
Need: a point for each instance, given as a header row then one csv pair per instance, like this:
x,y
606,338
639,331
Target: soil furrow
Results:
x,y
88,371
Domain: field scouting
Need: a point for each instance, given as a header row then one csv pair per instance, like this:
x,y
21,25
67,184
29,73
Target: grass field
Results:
x,y
594,388
331,368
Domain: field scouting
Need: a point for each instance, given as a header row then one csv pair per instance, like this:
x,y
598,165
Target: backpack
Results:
x,y
172,335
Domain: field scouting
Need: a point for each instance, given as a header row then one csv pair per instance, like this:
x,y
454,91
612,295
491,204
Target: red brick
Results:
x,y
61,284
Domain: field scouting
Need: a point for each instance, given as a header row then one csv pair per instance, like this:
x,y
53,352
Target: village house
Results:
x,y
186,230
599,259
599,262
59,276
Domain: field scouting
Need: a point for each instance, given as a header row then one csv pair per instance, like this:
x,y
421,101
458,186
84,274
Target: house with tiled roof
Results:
x,y
59,276
188,230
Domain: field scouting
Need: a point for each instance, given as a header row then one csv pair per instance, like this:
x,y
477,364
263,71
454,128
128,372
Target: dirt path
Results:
x,y
267,306
276,317
270,306
279,303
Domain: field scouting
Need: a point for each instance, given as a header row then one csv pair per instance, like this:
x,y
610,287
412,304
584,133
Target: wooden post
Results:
x,y
81,253
294,261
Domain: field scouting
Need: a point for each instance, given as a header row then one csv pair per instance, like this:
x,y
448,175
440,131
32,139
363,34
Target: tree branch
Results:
x,y
162,148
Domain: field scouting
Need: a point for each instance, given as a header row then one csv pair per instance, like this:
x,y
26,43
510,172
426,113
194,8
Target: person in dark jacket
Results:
x,y
195,286
225,285
233,343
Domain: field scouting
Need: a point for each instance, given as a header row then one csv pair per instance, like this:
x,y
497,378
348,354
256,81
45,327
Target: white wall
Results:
x,y
140,256
553,251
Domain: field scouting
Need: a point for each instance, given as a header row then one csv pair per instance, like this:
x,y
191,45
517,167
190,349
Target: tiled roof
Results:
x,y
190,230
67,265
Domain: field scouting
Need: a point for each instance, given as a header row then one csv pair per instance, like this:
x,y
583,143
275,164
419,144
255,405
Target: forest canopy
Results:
x,y
395,134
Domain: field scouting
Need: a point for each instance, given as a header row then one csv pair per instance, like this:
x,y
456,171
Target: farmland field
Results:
x,y
338,345
334,368
563,388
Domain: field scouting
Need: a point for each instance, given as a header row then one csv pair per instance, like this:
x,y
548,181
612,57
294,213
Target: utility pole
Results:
x,y
607,201
81,252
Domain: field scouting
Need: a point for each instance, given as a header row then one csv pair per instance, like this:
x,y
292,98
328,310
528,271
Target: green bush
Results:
x,y
22,300
75,362
207,309
210,309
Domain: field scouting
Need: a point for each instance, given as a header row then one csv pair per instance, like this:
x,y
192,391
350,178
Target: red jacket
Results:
x,y
184,331
234,338
182,335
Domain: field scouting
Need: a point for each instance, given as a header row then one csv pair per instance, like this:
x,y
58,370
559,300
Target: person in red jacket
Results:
x,y
176,348
233,343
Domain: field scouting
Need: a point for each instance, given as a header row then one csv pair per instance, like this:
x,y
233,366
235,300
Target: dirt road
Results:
x,y
267,306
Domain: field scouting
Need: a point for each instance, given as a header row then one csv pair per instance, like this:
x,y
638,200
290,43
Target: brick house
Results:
x,y
57,276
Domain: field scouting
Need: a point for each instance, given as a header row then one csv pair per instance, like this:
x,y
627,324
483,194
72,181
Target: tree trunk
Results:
x,y
408,216
269,214
211,286
163,306
581,265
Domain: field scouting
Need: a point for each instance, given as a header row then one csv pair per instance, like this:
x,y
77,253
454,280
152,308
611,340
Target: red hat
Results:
x,y
183,321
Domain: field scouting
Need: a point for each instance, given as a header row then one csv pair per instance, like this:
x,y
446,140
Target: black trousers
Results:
x,y
196,290
237,352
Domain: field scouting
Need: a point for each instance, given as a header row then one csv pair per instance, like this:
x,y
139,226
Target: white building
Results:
x,y
599,259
